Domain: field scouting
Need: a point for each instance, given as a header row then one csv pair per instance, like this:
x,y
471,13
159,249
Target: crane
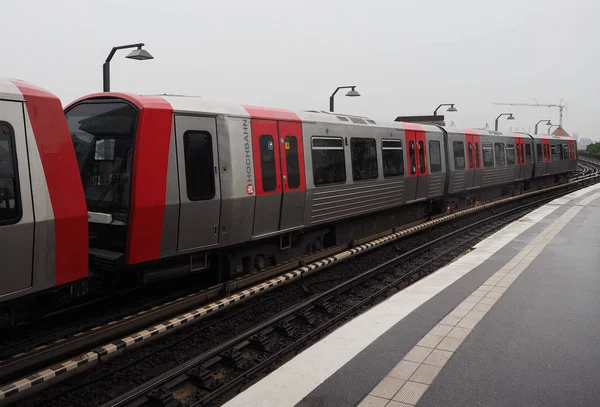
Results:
x,y
561,106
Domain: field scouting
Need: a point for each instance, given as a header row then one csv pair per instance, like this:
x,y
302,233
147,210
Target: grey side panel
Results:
x,y
292,209
266,214
237,172
436,185
457,181
168,246
478,178
422,186
497,175
411,188
16,241
344,201
198,220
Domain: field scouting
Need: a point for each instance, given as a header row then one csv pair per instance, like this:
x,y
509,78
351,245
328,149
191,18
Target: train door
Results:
x,y
16,218
519,158
199,186
422,170
473,175
411,160
292,175
267,170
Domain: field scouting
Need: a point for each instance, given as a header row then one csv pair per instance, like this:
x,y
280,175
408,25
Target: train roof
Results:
x,y
10,91
197,104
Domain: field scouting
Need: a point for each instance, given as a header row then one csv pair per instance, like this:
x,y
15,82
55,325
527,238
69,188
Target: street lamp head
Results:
x,y
452,108
548,123
139,54
511,117
352,92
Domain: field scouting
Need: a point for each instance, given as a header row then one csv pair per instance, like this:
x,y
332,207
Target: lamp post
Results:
x,y
450,109
352,93
553,125
139,54
548,123
510,117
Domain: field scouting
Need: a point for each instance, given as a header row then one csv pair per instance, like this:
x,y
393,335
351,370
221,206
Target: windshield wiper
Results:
x,y
116,177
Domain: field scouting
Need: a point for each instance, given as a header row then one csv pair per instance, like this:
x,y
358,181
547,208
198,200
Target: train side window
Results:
x,y
291,161
393,158
458,147
10,202
199,171
565,151
510,154
435,156
528,153
499,154
364,158
422,165
488,154
555,148
538,151
413,159
477,163
329,164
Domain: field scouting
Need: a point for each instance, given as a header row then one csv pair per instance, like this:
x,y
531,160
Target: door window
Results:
x,y
470,154
10,205
422,167
435,156
413,157
267,162
199,167
291,161
458,147
393,159
329,165
477,163
538,151
488,154
364,158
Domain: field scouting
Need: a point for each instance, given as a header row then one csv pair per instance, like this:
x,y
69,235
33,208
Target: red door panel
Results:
x,y
265,128
421,153
290,141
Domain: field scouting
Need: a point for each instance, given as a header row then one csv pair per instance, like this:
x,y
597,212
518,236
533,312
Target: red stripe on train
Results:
x,y
149,178
64,183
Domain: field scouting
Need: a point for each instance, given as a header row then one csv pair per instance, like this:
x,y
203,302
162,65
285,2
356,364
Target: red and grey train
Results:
x,y
155,186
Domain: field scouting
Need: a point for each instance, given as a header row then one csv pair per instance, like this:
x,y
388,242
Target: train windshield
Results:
x,y
102,131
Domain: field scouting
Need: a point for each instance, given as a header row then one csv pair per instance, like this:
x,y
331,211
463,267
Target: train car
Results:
x,y
171,180
43,216
555,157
179,184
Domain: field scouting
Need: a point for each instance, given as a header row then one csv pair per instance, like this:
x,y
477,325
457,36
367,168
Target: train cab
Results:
x,y
43,219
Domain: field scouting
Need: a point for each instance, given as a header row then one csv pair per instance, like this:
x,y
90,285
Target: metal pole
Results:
x,y
332,95
106,77
106,65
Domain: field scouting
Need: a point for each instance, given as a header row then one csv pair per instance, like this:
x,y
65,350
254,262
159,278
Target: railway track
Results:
x,y
214,374
127,326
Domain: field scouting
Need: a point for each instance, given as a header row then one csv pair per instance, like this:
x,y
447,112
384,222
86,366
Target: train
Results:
x,y
154,187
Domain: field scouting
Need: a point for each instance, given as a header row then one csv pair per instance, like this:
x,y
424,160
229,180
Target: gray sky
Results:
x,y
405,56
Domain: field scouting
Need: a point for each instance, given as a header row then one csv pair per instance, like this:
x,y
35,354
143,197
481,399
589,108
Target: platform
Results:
x,y
514,322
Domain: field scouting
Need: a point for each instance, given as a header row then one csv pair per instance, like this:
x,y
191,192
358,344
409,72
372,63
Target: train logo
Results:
x,y
250,189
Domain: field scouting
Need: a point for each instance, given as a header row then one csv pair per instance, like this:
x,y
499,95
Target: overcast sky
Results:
x,y
404,56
